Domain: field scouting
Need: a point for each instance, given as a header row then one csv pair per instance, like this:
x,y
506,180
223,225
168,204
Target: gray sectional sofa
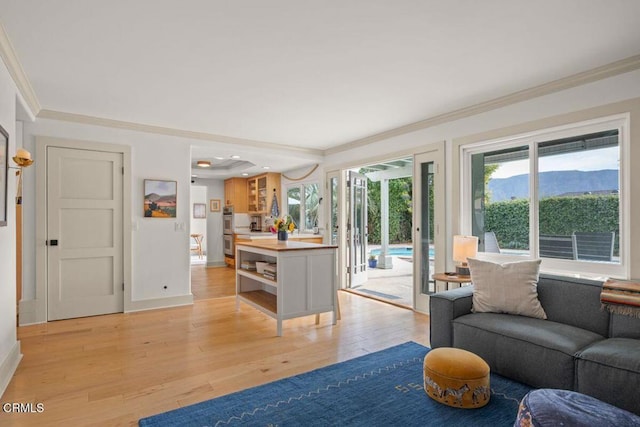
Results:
x,y
578,347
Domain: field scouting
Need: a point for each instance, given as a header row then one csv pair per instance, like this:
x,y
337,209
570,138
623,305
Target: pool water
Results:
x,y
400,251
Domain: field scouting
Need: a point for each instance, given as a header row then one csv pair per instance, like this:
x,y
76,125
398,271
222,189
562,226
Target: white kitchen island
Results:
x,y
305,282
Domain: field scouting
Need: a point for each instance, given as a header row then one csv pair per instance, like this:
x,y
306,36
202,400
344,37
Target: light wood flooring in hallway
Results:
x,y
113,370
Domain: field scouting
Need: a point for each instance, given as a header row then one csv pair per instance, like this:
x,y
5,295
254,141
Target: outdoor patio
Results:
x,y
394,285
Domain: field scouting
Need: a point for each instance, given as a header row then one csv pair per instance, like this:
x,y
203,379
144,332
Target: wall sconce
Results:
x,y
464,247
22,159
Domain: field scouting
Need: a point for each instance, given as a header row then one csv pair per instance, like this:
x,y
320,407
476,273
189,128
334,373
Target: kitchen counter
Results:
x,y
287,245
267,235
304,281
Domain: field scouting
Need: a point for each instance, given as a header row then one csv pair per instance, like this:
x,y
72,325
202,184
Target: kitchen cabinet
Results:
x,y
305,279
235,194
260,193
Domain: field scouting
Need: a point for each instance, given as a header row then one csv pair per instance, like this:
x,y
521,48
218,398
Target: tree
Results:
x,y
488,171
400,210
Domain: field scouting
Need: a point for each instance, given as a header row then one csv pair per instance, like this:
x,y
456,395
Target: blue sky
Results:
x,y
605,158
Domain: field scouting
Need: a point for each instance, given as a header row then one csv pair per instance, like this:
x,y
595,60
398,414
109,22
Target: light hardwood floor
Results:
x,y
115,369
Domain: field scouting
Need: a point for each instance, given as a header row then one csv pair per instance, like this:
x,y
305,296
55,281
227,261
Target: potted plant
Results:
x,y
373,261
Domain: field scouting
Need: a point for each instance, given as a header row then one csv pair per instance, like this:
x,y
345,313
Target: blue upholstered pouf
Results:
x,y
551,407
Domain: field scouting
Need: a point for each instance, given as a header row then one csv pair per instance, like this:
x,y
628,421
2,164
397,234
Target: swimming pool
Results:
x,y
400,251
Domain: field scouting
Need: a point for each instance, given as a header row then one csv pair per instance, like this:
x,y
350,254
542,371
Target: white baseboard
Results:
x,y
8,366
151,304
28,315
216,264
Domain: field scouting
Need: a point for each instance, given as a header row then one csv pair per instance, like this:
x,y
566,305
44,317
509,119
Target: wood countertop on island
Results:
x,y
267,235
287,245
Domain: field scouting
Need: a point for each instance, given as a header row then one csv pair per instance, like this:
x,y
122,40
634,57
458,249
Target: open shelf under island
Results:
x,y
301,281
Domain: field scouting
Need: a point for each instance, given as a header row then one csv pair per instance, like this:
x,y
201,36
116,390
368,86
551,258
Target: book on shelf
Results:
x,y
269,275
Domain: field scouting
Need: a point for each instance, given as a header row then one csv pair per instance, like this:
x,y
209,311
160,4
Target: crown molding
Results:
x,y
17,73
180,133
615,68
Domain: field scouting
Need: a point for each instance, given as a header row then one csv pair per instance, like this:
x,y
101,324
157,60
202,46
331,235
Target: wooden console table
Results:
x,y
305,283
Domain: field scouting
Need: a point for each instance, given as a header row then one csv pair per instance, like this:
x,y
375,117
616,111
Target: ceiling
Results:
x,y
258,75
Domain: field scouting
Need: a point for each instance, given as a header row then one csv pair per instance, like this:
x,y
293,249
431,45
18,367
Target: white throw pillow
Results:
x,y
506,288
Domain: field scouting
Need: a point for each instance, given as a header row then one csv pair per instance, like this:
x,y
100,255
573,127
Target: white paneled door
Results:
x,y
84,233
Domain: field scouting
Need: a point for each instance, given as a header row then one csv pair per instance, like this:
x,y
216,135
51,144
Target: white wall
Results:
x,y
597,99
199,225
9,345
215,247
625,86
160,251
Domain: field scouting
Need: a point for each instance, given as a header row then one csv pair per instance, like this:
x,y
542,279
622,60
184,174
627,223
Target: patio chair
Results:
x,y
594,246
491,242
560,247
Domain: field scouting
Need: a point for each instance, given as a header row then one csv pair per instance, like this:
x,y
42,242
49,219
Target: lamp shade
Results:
x,y
23,154
464,247
23,158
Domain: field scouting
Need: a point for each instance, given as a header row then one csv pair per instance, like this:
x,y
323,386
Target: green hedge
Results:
x,y
400,213
558,216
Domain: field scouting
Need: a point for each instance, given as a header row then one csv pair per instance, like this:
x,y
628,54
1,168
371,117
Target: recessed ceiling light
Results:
x,y
245,174
203,163
235,156
219,158
266,167
194,176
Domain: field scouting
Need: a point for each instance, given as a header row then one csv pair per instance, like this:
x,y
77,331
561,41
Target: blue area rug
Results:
x,y
380,389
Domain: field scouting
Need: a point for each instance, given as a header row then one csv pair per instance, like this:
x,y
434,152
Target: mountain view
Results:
x,y
554,183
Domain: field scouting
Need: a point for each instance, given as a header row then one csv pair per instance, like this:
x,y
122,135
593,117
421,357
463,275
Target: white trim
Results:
x,y
586,269
342,221
155,303
9,365
216,264
437,155
27,310
161,130
595,74
11,61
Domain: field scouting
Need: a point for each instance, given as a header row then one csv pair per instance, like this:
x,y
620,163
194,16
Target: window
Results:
x,y
303,205
558,195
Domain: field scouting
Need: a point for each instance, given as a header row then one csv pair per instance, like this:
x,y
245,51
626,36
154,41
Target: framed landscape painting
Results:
x,y
160,198
4,174
214,205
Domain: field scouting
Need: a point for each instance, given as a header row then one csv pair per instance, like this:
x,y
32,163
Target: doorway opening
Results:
x,y
198,225
386,198
387,219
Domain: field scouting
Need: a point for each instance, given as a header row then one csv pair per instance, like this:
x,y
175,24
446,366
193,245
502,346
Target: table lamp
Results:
x,y
464,247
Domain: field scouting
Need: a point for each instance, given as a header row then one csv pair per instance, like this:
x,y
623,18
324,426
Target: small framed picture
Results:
x,y
160,198
199,210
214,205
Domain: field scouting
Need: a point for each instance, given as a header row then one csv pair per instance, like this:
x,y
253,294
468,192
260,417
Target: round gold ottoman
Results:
x,y
456,378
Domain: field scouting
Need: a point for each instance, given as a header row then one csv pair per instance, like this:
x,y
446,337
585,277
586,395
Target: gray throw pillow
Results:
x,y
511,287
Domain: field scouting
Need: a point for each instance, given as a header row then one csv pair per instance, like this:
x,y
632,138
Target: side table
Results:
x,y
449,278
